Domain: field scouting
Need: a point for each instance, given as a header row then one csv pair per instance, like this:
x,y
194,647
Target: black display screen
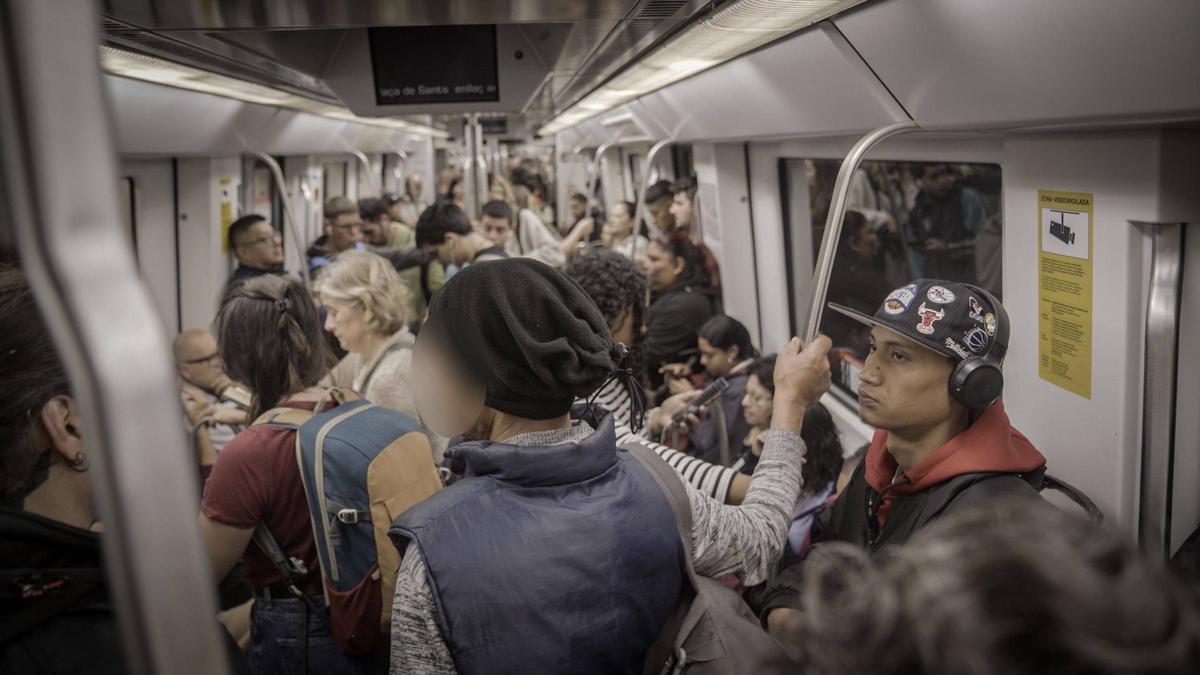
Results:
x,y
434,64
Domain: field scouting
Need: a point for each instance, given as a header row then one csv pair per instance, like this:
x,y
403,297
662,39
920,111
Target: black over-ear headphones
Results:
x,y
977,381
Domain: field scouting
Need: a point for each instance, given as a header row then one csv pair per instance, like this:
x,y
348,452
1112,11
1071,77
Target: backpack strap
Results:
x,y
667,649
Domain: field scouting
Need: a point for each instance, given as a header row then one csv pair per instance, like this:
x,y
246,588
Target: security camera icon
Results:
x,y
1060,230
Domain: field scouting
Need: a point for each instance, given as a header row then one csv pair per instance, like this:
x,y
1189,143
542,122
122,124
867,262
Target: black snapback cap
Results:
x,y
953,319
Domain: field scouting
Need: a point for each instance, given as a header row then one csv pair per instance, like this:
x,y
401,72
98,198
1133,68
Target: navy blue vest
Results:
x,y
561,559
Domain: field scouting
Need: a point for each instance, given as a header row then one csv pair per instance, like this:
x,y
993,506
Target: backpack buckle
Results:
x,y
351,516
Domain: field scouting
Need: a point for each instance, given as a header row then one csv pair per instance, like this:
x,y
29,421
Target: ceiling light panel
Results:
x,y
158,71
739,28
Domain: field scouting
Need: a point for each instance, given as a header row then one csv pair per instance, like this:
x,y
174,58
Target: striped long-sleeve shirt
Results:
x,y
745,540
710,479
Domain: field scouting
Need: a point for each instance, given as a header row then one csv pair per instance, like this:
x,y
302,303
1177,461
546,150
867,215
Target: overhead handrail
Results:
x,y
837,212
594,175
77,258
289,216
640,209
365,162
1158,393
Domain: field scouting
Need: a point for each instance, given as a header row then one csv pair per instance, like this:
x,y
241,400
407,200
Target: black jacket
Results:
x,y
65,624
55,612
852,517
672,324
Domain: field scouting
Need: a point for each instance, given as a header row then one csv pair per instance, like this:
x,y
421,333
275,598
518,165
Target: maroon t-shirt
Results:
x,y
256,479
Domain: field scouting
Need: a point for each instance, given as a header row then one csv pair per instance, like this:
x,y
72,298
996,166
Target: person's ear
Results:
x,y
678,265
60,419
328,225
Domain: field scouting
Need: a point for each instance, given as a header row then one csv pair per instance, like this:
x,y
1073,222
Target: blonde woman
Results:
x,y
366,309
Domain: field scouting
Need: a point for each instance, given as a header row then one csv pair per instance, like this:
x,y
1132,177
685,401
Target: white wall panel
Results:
x,y
203,267
983,63
154,208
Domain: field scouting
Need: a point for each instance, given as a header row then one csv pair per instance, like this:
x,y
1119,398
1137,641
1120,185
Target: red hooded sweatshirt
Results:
x,y
990,444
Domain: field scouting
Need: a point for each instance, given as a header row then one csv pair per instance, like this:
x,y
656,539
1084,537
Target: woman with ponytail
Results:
x,y
270,338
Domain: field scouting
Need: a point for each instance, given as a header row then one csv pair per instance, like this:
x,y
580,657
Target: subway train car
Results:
x,y
1047,152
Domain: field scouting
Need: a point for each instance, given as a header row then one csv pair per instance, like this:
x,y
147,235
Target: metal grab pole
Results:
x,y
288,216
98,314
594,177
366,165
640,209
1159,387
837,211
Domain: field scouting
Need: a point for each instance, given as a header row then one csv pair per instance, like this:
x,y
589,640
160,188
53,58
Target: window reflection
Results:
x,y
904,221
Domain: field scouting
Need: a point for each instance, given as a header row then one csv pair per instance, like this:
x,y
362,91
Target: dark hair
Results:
x,y
32,374
630,208
687,185
764,369
852,224
823,460
682,248
449,196
270,338
1006,587
240,227
579,197
371,209
724,332
657,191
438,219
498,209
614,282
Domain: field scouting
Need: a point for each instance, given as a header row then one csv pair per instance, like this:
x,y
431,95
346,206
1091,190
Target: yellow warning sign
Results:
x,y
225,211
1065,290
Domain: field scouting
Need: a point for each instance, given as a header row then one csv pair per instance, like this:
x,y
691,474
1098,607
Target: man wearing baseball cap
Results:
x,y
931,386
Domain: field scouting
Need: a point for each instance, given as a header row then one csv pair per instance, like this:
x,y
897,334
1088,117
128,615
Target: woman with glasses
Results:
x,y
821,465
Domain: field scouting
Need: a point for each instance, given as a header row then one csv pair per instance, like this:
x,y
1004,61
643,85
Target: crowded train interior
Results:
x,y
599,336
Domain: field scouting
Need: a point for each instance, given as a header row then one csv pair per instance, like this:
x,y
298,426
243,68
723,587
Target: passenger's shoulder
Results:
x,y
978,490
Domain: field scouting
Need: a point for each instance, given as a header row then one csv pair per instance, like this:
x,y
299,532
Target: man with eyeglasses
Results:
x,y
257,247
343,231
209,396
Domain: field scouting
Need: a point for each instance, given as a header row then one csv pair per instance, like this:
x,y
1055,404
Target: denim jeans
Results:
x,y
275,629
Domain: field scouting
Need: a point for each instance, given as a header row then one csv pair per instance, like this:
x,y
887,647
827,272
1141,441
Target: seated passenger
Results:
x,y
205,384
445,229
934,452
56,604
680,303
822,463
1006,587
725,352
257,247
618,233
378,228
271,340
683,215
342,233
558,552
618,287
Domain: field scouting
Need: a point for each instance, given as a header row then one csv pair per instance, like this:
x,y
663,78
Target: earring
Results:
x,y
81,463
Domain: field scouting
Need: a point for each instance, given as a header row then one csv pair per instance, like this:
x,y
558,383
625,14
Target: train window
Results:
x,y
681,160
904,220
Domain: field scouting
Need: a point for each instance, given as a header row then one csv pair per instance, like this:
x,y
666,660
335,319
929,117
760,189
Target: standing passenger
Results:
x,y
257,247
408,207
683,212
343,231
271,340
559,552
378,228
658,201
680,304
618,233
444,229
